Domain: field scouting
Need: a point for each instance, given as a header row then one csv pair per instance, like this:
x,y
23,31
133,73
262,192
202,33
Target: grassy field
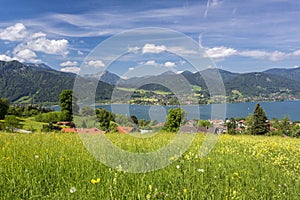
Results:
x,y
57,166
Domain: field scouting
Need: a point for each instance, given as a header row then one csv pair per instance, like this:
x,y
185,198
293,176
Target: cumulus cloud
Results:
x,y
39,42
6,58
74,70
152,48
16,32
169,64
31,43
95,63
133,49
220,52
258,54
150,62
131,68
69,64
27,55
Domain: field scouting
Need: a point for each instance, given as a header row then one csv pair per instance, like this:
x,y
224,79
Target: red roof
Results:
x,y
124,129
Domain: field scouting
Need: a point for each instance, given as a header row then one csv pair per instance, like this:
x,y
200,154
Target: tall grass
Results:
x,y
57,166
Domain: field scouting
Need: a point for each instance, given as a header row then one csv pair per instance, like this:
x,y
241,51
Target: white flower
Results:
x,y
200,170
72,189
36,156
177,166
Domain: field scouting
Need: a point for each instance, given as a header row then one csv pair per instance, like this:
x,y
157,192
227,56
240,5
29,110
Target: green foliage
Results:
x,y
4,106
27,110
204,123
39,84
51,117
260,124
68,105
104,118
231,126
175,118
12,122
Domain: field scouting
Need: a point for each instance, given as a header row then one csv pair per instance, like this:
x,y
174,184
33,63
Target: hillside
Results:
x,y
37,84
292,74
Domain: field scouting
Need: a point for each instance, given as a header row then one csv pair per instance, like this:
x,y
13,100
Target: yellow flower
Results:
x,y
184,190
94,181
150,187
148,196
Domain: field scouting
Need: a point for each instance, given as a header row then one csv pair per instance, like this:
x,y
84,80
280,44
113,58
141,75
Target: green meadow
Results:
x,y
58,166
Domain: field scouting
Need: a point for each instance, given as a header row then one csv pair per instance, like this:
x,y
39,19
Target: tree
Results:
x,y
104,118
4,106
68,105
260,123
175,118
204,123
231,126
134,120
12,122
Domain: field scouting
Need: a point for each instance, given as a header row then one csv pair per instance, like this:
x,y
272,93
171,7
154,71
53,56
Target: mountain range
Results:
x,y
33,83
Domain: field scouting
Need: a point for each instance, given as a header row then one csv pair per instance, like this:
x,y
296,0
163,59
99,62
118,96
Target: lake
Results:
x,y
273,109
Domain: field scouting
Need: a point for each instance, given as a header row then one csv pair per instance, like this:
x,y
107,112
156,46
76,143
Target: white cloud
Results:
x,y
6,58
27,55
152,48
150,62
169,64
38,42
220,52
258,54
95,63
74,70
131,68
296,53
69,64
79,52
16,32
133,49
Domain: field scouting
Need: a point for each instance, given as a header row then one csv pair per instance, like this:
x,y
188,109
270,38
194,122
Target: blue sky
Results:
x,y
240,36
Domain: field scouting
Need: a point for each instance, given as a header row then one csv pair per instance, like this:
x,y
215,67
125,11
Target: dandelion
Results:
x,y
95,181
72,190
148,196
177,166
201,170
184,190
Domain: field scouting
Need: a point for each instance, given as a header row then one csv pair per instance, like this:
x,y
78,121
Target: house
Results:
x,y
70,124
241,123
125,129
69,130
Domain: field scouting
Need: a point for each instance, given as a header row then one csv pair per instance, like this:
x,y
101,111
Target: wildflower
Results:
x,y
184,190
148,196
36,156
72,190
95,181
150,187
201,170
236,174
177,166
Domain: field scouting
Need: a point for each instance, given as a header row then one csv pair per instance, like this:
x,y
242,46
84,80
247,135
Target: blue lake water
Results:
x,y
273,109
